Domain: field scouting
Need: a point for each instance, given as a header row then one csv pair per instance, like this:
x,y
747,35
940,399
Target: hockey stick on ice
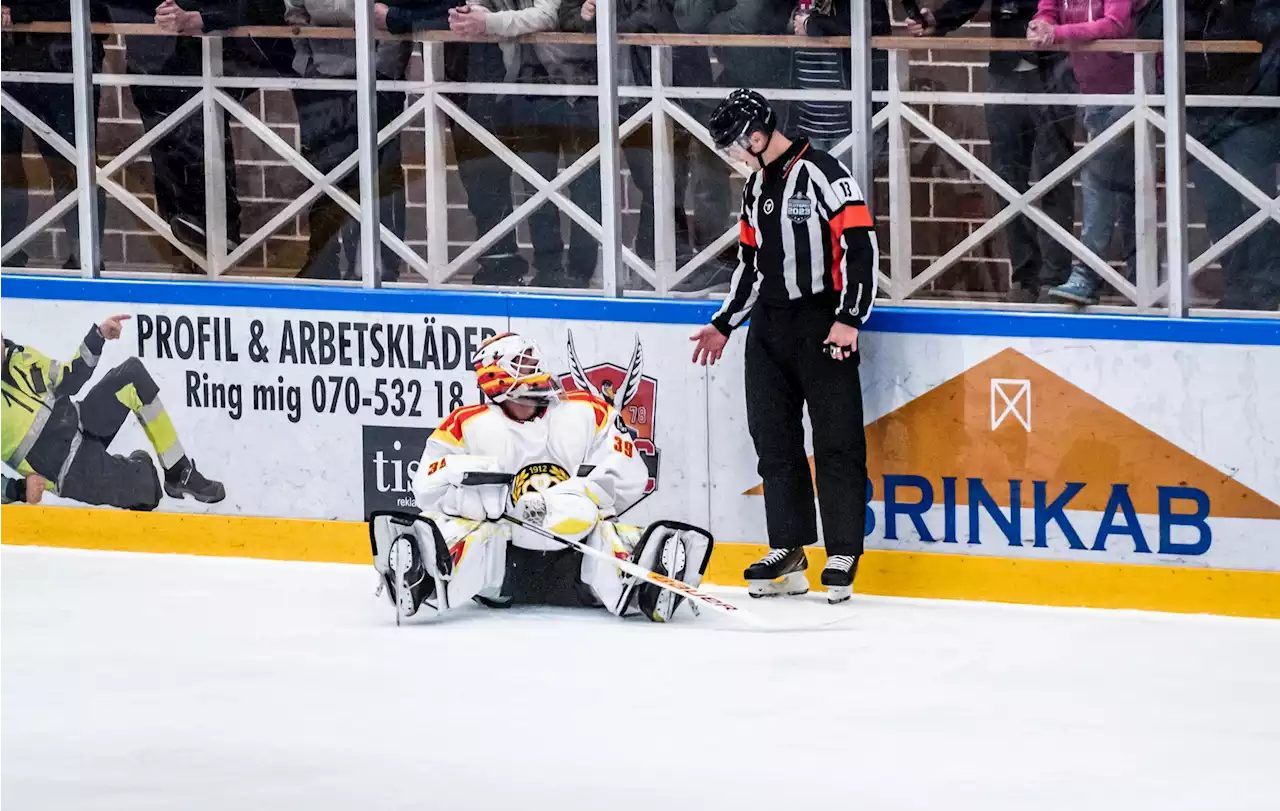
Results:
x,y
626,566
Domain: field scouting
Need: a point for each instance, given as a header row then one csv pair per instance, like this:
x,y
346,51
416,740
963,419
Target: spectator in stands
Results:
x,y
328,133
1107,179
824,123
485,177
743,67
641,17
52,104
715,207
177,159
1027,141
827,123
1247,138
549,126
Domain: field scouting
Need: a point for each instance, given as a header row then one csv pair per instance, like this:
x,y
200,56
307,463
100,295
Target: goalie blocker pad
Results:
x,y
672,548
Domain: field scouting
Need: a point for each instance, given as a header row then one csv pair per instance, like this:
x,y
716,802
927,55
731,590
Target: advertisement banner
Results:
x,y
1116,451
300,414
1040,448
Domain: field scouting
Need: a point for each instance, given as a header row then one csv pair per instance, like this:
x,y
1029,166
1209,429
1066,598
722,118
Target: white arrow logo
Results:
x,y
1014,398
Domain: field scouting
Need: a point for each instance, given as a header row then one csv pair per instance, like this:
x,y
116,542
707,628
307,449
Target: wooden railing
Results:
x,y
661,100
890,43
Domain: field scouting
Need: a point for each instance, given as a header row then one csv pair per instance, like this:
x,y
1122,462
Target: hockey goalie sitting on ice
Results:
x,y
575,470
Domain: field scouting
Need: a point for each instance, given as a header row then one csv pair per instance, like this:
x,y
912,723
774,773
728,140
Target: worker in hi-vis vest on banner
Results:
x,y
60,445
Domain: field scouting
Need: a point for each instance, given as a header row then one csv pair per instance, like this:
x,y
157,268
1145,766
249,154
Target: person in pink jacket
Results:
x,y
1107,179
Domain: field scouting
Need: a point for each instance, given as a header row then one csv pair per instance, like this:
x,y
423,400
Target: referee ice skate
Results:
x,y
806,277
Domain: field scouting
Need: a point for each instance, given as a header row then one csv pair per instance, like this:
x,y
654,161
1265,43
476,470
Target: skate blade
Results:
x,y
838,594
790,585
400,558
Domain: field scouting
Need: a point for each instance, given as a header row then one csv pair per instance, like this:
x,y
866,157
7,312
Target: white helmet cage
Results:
x,y
509,367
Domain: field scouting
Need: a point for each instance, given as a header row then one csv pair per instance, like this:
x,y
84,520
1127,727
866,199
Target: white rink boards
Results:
x,y
1043,458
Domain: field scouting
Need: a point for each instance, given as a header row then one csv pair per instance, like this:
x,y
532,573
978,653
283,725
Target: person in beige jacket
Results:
x,y
327,129
548,128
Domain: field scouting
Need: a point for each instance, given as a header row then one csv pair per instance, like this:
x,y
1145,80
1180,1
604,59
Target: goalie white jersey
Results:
x,y
568,466
579,437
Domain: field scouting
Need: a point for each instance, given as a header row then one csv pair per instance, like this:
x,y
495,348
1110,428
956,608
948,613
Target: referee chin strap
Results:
x,y
759,156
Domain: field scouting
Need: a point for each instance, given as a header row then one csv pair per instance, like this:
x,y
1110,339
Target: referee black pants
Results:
x,y
787,369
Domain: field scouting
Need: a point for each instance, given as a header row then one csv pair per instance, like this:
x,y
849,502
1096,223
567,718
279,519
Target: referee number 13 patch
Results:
x,y
845,192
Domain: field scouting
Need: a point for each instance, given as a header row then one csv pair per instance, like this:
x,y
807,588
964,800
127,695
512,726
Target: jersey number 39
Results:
x,y
622,446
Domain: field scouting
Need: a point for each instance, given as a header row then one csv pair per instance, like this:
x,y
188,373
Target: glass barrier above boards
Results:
x,y
1051,194
41,206
284,112
1233,153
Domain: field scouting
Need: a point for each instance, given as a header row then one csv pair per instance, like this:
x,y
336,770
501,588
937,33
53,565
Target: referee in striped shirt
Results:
x,y
806,276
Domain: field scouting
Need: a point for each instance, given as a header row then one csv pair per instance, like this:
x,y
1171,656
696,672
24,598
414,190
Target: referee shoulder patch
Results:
x,y
836,188
851,215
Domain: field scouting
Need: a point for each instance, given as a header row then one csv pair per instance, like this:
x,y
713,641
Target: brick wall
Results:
x,y
266,184
947,203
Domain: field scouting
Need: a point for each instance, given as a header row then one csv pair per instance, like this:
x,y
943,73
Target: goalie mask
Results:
x,y
509,367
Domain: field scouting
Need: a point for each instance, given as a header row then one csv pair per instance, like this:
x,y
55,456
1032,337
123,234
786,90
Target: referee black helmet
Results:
x,y
739,115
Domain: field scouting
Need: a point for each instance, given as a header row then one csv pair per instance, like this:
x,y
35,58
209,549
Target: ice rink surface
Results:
x,y
162,682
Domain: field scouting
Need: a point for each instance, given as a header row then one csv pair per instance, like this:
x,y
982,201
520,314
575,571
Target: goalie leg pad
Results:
x,y
408,551
435,560
674,549
606,584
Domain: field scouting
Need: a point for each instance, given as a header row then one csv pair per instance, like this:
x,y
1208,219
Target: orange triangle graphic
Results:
x,y
1010,418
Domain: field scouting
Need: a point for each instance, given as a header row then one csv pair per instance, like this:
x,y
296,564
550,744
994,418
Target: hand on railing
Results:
x,y
925,26
297,17
173,18
1040,33
469,20
6,19
588,12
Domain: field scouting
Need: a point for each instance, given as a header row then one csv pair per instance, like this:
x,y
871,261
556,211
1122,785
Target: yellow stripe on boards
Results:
x,y
899,574
1233,592
187,534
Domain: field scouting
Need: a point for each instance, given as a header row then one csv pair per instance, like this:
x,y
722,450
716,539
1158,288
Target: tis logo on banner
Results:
x,y
390,461
631,393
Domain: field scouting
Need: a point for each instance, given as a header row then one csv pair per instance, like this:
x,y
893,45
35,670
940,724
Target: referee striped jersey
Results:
x,y
805,236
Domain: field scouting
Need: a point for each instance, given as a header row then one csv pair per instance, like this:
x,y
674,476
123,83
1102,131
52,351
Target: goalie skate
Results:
x,y
780,572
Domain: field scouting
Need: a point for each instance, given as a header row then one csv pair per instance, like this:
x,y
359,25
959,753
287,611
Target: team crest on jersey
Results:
x,y
536,478
631,393
799,208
